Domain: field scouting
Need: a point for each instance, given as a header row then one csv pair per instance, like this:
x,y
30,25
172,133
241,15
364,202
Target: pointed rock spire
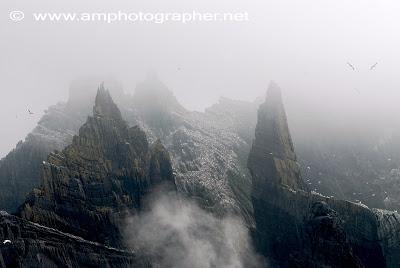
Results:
x,y
272,130
272,160
105,106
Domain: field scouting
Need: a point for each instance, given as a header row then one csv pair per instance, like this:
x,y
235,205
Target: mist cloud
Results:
x,y
175,232
302,45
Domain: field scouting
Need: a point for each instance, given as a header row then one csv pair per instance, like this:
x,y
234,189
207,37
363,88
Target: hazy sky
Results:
x,y
302,45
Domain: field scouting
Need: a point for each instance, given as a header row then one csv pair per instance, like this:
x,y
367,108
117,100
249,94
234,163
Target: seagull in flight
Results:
x,y
373,66
29,111
6,242
351,66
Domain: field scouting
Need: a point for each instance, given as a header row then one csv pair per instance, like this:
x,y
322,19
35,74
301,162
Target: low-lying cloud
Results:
x,y
176,232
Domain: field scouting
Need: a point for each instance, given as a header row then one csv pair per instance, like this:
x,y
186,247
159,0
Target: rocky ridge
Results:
x,y
90,186
209,161
209,154
20,169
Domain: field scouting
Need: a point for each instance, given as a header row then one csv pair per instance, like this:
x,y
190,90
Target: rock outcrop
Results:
x,y
106,169
90,186
36,246
295,227
389,235
208,156
208,150
20,169
272,160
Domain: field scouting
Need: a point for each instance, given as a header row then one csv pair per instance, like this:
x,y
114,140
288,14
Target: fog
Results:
x,y
177,233
304,46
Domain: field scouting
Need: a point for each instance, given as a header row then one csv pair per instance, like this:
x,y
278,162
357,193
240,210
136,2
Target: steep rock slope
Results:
x,y
297,228
20,169
33,245
272,154
350,168
209,159
223,134
89,186
208,150
389,235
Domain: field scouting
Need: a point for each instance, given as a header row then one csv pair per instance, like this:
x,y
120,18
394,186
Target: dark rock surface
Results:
x,y
89,186
389,235
358,167
297,228
208,150
33,245
20,169
272,160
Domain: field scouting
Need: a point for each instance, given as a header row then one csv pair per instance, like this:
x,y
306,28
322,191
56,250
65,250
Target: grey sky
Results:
x,y
302,45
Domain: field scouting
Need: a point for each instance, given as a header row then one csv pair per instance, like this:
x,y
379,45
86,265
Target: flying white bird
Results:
x,y
6,242
351,66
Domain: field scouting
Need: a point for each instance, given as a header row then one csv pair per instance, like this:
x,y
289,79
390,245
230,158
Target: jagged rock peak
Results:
x,y
107,170
272,130
272,160
105,106
152,94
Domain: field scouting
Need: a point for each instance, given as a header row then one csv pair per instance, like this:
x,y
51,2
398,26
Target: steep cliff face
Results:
x,y
389,235
208,157
294,227
20,169
272,160
33,245
208,150
89,186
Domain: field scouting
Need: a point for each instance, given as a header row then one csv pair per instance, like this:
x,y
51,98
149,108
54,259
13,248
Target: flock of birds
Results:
x,y
354,69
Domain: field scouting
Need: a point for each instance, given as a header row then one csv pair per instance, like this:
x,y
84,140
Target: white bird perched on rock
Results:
x,y
6,242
